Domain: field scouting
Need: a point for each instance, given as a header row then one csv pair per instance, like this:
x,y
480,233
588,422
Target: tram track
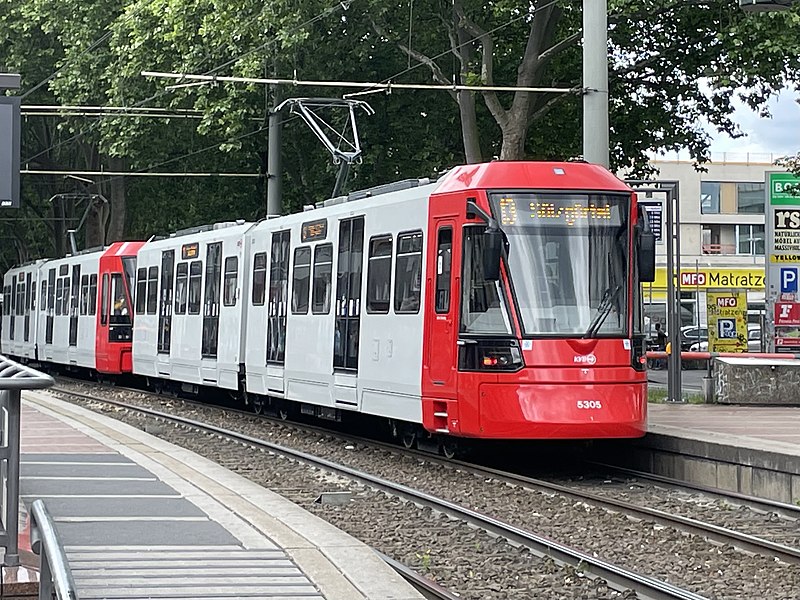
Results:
x,y
617,577
710,531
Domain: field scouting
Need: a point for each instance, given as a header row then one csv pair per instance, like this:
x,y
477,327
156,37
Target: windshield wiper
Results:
x,y
605,306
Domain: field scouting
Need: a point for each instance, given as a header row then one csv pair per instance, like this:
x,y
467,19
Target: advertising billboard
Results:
x,y
782,216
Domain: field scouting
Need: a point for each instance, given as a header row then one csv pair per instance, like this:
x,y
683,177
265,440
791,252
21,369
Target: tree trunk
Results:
x,y
469,127
96,224
515,132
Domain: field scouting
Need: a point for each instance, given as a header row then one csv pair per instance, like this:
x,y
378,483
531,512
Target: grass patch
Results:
x,y
658,395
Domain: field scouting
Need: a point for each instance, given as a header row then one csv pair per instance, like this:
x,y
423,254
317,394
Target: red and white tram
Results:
x,y
72,325
501,301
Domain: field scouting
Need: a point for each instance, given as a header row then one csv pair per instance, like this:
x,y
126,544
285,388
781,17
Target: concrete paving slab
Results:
x,y
145,533
118,507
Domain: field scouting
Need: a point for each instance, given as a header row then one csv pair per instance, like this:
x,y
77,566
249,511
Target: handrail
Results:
x,y
14,376
55,576
13,379
702,355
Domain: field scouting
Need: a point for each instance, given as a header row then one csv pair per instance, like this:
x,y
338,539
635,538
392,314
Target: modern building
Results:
x,y
721,216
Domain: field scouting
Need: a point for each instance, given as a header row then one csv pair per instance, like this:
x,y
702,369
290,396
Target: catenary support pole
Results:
x,y
595,82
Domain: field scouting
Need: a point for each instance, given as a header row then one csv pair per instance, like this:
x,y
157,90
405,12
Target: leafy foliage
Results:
x,y
674,64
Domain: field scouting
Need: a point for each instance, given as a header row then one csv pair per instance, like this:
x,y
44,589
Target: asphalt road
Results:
x,y
691,380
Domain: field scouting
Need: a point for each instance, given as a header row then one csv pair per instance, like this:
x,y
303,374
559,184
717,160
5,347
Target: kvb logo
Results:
x,y
584,359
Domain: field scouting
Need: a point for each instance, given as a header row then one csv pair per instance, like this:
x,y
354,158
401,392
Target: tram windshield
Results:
x,y
568,260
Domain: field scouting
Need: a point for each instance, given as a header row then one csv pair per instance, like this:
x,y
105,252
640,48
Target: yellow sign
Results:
x,y
784,258
727,321
706,277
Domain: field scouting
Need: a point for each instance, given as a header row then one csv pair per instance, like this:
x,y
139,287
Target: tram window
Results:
x,y
104,300
93,294
141,291
51,291
84,295
321,291
152,290
59,295
300,280
259,278
231,280
181,288
43,296
65,296
443,269
379,274
408,273
120,315
195,286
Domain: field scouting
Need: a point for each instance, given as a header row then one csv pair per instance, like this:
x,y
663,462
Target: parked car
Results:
x,y
693,334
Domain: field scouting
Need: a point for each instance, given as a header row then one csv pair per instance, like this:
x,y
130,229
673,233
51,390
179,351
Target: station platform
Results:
x,y
142,518
748,449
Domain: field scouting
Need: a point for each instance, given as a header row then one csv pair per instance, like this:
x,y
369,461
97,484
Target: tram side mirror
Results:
x,y
647,257
492,254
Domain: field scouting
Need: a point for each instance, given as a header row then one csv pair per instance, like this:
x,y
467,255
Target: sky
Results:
x,y
778,135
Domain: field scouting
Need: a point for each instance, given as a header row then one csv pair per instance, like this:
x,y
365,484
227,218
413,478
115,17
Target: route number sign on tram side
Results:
x,y
782,215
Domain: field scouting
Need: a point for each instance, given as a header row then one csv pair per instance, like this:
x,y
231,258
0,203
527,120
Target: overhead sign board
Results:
x,y
782,215
10,128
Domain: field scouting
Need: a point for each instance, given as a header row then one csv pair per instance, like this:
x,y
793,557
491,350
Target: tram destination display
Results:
x,y
534,210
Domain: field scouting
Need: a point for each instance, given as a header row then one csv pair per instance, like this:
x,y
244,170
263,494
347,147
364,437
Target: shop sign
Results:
x,y
717,278
751,279
784,189
786,230
784,258
787,313
727,321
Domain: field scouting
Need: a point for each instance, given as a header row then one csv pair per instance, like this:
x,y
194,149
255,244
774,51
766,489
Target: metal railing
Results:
x,y
55,576
13,379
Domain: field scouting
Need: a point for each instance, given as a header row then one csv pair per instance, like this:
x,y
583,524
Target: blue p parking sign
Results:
x,y
788,280
726,329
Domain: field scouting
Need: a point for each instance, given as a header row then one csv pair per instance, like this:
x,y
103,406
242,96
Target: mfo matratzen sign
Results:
x,y
9,151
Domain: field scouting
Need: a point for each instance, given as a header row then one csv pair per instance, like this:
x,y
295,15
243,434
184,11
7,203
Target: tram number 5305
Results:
x,y
590,404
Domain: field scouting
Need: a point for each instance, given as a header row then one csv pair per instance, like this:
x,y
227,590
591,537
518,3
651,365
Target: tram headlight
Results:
x,y
489,355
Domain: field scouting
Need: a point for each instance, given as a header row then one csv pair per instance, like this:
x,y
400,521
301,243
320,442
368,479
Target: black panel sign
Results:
x,y
9,151
314,230
654,211
189,251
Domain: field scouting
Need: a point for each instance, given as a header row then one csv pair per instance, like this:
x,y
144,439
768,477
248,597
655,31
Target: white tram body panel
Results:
x,y
66,331
353,339
189,307
20,286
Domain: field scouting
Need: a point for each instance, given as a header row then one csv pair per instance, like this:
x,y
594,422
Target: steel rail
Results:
x,y
622,579
427,587
789,511
709,531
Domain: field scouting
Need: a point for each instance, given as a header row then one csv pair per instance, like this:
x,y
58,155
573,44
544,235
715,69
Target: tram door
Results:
x,y
443,279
